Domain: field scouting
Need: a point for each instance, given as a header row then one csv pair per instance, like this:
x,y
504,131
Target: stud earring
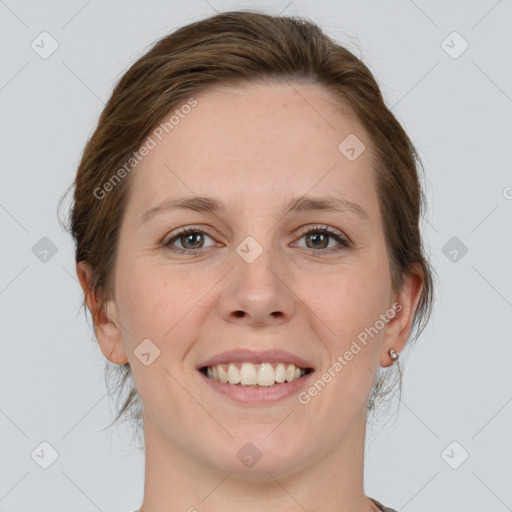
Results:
x,y
394,355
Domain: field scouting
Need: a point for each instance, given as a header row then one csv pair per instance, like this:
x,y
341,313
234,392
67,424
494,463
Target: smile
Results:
x,y
248,374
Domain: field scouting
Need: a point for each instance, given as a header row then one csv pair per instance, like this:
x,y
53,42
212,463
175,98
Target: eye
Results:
x,y
190,238
320,237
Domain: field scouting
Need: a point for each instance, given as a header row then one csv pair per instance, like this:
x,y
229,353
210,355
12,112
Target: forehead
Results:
x,y
255,142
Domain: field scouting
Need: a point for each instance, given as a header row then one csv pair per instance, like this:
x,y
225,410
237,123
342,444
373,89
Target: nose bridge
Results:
x,y
257,291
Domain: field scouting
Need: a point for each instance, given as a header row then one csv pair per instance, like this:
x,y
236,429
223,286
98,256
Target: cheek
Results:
x,y
147,303
152,306
347,301
163,304
352,306
348,305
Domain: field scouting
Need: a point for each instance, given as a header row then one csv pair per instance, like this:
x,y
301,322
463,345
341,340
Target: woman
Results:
x,y
246,219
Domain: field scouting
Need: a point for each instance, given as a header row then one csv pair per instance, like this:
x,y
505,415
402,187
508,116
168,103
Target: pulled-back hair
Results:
x,y
230,48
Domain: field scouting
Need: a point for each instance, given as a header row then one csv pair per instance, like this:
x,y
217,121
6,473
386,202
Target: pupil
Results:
x,y
190,238
320,237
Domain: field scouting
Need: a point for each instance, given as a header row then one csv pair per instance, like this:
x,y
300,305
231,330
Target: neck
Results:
x,y
178,480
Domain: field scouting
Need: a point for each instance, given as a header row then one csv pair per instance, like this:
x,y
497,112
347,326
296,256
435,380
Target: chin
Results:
x,y
251,454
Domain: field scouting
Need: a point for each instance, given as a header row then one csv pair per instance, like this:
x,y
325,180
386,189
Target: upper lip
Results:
x,y
241,355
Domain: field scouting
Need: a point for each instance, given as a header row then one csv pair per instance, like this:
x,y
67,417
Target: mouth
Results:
x,y
247,374
256,378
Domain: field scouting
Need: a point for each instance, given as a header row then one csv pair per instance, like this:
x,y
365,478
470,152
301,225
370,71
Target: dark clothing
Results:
x,y
380,505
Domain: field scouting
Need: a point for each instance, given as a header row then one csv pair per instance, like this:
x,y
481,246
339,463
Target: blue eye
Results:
x,y
186,236
318,238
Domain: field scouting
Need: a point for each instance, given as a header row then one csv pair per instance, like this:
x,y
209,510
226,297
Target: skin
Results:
x,y
254,148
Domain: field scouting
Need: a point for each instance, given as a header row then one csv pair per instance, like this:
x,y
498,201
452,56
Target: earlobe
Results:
x,y
106,328
399,327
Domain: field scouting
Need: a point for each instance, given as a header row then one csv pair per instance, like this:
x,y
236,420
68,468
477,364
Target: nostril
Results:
x,y
239,314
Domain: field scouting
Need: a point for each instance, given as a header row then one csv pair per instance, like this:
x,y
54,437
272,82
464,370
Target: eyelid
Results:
x,y
182,231
321,227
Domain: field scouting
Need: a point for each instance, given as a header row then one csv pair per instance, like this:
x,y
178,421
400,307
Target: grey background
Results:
x,y
457,382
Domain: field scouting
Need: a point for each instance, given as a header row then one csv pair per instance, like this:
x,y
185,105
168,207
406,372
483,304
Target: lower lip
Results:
x,y
247,395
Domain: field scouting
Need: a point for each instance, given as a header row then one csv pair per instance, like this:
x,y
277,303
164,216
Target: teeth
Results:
x,y
290,372
266,375
233,374
223,375
280,373
248,374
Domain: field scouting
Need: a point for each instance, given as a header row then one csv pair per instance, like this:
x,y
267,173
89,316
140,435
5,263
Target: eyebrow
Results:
x,y
297,204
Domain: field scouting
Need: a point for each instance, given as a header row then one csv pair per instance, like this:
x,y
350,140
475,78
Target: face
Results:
x,y
257,277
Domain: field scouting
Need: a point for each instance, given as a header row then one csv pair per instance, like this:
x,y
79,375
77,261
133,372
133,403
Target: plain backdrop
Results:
x,y
445,70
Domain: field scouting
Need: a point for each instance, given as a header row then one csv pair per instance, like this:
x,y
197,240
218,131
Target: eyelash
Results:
x,y
326,230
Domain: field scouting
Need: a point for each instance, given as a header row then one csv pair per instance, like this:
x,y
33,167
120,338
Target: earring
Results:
x,y
394,355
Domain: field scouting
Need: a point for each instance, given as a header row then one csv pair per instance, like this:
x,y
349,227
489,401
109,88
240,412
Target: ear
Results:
x,y
107,329
398,328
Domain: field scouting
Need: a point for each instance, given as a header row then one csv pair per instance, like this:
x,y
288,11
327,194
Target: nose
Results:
x,y
257,294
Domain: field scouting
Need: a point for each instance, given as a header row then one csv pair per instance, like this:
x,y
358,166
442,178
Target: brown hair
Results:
x,y
235,48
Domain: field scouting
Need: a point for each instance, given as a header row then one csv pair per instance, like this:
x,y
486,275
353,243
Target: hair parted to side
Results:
x,y
230,48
